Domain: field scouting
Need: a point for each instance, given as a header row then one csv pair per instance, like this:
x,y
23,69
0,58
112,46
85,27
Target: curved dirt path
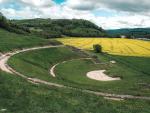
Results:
x,y
5,67
95,75
4,58
52,69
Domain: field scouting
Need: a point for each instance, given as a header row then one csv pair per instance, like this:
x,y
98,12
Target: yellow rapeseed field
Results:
x,y
117,46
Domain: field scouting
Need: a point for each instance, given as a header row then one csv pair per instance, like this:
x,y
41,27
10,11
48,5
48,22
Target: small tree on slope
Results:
x,y
97,48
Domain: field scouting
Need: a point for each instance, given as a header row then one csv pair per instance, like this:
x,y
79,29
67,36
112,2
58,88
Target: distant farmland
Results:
x,y
125,47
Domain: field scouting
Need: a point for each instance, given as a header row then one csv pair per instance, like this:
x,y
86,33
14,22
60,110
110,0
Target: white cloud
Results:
x,y
39,3
123,21
121,5
80,9
80,4
27,12
2,1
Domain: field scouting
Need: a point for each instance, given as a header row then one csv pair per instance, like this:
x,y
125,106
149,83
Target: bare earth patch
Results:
x,y
100,76
112,98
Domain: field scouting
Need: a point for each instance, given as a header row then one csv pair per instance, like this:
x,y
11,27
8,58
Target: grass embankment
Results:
x,y
19,96
10,41
37,63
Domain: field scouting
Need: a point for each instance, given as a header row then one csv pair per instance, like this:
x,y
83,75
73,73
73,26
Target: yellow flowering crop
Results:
x,y
117,46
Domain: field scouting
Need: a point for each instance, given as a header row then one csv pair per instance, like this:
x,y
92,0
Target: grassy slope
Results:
x,y
37,64
10,41
18,96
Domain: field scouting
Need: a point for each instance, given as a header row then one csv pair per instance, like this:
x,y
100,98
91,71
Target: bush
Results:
x,y
97,48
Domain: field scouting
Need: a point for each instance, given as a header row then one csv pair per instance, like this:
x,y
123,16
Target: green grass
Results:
x,y
133,82
19,96
73,73
140,64
10,41
37,63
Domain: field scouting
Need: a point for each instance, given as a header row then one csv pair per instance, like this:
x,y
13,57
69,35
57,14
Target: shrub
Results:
x,y
97,48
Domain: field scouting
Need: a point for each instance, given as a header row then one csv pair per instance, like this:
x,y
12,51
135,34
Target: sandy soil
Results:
x,y
100,76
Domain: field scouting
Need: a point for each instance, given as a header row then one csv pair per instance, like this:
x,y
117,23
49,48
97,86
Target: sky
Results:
x,y
108,14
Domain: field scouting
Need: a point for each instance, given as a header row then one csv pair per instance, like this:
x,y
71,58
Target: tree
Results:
x,y
3,21
97,48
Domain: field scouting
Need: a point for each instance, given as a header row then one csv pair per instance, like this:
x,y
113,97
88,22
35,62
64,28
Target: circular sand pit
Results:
x,y
100,76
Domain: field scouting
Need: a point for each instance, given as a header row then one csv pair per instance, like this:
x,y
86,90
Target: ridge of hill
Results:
x,y
53,28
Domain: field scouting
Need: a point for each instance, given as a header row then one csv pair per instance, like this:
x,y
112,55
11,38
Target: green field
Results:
x,y
73,73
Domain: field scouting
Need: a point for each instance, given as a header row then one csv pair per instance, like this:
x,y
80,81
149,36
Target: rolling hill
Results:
x,y
52,28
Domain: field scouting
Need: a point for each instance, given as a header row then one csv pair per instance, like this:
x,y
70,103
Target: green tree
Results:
x,y
97,48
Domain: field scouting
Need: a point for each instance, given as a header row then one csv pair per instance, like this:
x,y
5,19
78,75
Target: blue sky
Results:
x,y
109,14
59,1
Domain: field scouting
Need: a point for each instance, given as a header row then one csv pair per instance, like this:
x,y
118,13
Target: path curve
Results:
x,y
52,69
4,58
5,67
95,75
